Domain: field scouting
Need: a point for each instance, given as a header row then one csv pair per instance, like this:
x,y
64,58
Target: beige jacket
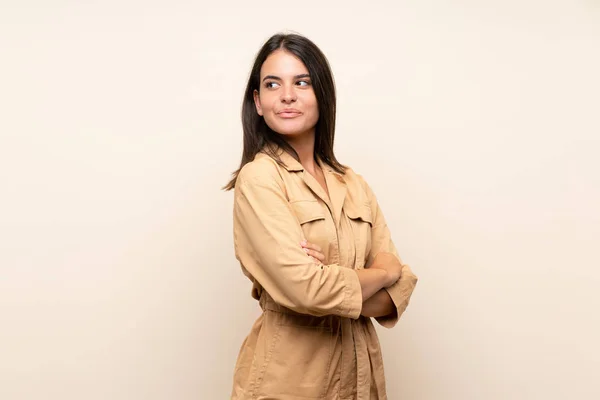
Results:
x,y
311,341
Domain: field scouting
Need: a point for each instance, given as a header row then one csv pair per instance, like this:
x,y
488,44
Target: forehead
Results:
x,y
283,64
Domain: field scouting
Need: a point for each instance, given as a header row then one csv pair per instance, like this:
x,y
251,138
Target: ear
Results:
x,y
257,102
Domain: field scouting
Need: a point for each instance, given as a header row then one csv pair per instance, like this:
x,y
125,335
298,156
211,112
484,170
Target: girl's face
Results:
x,y
286,98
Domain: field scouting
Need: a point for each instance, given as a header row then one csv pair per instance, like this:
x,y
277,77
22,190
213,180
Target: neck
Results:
x,y
305,147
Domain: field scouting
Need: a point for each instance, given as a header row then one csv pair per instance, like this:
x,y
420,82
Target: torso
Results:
x,y
320,177
293,355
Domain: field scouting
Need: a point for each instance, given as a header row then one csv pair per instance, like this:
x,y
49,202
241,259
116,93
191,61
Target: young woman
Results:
x,y
309,234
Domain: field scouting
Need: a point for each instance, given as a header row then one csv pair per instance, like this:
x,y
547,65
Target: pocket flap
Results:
x,y
308,211
362,212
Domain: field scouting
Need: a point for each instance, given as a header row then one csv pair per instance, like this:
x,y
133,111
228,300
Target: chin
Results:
x,y
291,132
292,129
289,129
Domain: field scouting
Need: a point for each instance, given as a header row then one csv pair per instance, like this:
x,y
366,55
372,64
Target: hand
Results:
x,y
313,251
390,264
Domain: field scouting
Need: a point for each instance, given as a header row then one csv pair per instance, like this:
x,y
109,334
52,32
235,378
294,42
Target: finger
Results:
x,y
315,260
318,255
318,262
312,246
315,254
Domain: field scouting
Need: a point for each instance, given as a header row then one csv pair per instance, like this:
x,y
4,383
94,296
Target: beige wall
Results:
x,y
477,124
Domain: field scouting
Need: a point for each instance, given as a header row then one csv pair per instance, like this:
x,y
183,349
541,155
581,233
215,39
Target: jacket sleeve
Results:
x,y
267,238
381,241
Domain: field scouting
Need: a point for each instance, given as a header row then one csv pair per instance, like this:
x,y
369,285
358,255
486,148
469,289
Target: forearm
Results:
x,y
378,305
371,281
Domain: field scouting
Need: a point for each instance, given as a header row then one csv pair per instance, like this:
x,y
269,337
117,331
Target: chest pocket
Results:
x,y
307,211
312,218
361,223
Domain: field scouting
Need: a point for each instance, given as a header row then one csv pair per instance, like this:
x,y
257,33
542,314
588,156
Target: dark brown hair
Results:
x,y
257,134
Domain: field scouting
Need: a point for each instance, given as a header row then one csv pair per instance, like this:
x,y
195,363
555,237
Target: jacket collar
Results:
x,y
293,165
290,163
336,184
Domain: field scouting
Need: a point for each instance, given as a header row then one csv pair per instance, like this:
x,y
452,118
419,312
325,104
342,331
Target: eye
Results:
x,y
271,85
304,83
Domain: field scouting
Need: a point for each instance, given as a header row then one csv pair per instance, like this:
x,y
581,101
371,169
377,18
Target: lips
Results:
x,y
289,113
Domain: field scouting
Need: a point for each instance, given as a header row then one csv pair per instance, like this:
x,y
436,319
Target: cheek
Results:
x,y
315,110
310,103
268,111
266,103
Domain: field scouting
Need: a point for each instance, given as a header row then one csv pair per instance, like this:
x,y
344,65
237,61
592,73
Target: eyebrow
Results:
x,y
278,78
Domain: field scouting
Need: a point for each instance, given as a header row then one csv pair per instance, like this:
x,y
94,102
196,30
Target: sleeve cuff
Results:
x,y
400,293
352,305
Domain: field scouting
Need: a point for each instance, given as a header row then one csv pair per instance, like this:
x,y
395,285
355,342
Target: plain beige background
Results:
x,y
476,123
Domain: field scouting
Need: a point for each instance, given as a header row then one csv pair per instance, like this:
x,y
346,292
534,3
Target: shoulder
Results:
x,y
358,189
262,170
355,180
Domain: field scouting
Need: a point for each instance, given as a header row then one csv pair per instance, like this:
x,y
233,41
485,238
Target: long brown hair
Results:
x,y
257,134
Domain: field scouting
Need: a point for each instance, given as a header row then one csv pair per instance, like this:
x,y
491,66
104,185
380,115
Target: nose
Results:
x,y
288,94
